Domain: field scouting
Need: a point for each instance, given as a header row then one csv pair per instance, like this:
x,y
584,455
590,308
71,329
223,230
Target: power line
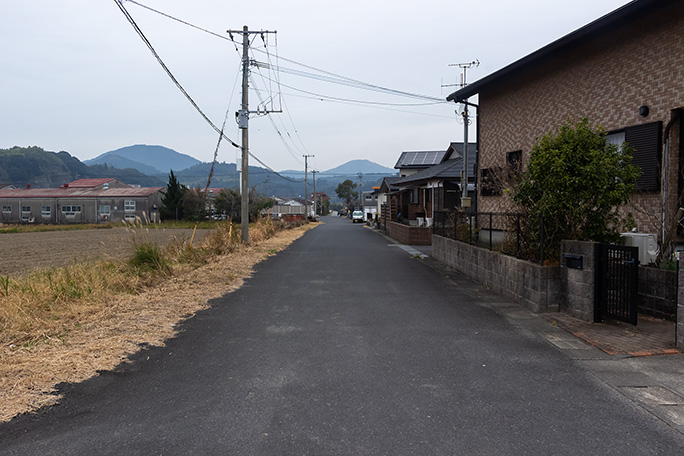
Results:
x,y
168,72
334,77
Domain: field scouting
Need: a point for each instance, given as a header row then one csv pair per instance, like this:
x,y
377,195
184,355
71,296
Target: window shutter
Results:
x,y
646,141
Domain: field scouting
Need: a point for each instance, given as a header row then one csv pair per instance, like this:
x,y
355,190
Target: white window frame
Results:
x,y
24,211
46,211
6,209
129,206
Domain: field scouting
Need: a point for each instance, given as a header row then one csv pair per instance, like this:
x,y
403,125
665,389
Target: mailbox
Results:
x,y
573,261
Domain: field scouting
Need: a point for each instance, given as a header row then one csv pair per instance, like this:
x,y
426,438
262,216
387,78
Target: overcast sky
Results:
x,y
75,76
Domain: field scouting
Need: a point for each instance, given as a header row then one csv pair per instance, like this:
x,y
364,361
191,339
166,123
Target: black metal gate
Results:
x,y
617,277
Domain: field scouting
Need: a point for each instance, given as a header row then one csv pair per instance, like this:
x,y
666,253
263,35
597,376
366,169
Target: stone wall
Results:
x,y
538,288
680,310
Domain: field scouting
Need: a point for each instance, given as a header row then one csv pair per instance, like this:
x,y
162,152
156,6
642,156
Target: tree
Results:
x,y
172,201
194,204
228,202
345,191
322,203
576,182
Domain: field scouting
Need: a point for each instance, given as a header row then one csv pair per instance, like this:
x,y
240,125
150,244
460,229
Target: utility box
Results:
x,y
647,244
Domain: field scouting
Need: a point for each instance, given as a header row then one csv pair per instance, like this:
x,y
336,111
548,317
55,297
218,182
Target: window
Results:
x,y
130,218
105,209
514,162
413,198
46,211
71,210
490,183
646,141
129,206
26,209
7,209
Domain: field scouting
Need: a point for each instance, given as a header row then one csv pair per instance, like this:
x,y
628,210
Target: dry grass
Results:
x,y
65,324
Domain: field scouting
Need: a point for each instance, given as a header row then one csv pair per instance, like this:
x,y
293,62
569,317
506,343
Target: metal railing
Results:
x,y
505,232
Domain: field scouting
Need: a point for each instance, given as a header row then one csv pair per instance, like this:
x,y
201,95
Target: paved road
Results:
x,y
345,345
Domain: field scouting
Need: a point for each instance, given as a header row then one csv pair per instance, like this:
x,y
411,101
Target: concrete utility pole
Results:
x,y
244,116
465,199
313,171
243,123
306,183
361,192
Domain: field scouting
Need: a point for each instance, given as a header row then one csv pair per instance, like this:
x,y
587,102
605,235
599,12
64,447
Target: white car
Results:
x,y
357,216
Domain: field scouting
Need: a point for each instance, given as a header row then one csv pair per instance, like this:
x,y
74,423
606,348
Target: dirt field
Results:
x,y
22,252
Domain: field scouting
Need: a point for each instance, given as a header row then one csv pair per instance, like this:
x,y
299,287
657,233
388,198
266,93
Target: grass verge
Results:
x,y
66,324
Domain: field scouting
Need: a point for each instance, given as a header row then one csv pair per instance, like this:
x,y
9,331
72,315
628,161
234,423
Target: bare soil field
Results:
x,y
20,253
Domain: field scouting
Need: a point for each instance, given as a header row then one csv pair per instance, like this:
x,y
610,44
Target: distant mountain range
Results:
x,y
149,160
146,166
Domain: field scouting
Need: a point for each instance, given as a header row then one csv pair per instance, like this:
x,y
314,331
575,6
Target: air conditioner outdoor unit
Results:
x,y
647,243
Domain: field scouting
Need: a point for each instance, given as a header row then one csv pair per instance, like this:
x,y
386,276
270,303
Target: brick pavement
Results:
x,y
651,336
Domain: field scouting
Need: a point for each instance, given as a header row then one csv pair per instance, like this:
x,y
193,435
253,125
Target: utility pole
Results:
x,y
306,183
313,171
465,200
243,123
361,193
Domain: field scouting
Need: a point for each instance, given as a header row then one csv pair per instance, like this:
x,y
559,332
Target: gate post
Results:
x,y
578,267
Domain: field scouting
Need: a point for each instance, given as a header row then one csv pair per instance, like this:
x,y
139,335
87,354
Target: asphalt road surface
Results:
x,y
346,345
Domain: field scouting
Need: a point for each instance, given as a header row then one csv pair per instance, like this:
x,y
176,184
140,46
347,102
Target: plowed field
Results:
x,y
21,253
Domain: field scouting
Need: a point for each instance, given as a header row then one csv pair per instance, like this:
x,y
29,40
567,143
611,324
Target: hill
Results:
x,y
43,169
361,166
146,159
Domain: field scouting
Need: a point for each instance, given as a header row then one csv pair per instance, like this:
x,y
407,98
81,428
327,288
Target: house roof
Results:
x,y
621,17
123,192
89,183
420,159
450,169
387,184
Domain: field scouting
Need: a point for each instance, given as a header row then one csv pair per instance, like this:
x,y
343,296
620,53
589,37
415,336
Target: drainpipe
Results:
x,y
666,165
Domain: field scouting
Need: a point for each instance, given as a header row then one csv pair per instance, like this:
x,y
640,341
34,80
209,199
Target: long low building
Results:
x,y
81,201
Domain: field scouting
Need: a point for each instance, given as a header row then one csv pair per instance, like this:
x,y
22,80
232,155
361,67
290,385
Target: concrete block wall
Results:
x,y
658,293
538,288
680,309
579,284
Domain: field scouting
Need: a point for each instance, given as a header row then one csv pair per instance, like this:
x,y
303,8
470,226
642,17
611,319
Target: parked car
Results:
x,y
357,216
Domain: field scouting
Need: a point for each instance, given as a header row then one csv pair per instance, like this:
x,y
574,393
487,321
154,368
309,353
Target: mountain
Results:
x,y
43,169
146,159
361,166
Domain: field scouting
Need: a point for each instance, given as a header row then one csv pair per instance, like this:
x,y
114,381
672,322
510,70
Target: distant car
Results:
x,y
341,213
357,216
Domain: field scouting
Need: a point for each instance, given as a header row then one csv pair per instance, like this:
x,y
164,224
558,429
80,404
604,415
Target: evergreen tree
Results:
x,y
172,201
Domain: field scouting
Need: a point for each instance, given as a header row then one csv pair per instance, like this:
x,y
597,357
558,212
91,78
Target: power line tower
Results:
x,y
243,123
465,200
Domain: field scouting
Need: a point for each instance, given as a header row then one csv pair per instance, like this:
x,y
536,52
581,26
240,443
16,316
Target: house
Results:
x,y
287,208
369,203
424,189
623,72
94,201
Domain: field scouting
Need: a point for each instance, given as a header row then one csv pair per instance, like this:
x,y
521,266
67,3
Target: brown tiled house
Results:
x,y
624,72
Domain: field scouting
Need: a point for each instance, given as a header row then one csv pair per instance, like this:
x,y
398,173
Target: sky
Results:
x,y
75,75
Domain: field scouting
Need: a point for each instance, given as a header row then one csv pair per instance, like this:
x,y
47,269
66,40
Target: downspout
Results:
x,y
666,180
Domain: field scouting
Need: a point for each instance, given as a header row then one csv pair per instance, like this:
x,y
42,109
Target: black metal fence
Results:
x,y
505,232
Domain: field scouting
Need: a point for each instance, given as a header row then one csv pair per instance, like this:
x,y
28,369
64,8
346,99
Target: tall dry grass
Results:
x,y
48,304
